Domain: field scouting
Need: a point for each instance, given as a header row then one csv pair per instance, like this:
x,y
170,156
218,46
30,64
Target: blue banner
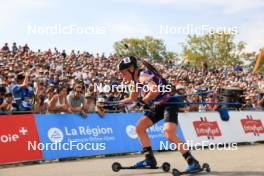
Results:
x,y
70,135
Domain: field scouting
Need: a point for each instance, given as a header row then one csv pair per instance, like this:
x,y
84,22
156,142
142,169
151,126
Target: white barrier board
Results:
x,y
243,126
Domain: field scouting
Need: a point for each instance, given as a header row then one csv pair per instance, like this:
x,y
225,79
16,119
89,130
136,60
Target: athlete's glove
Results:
x,y
142,104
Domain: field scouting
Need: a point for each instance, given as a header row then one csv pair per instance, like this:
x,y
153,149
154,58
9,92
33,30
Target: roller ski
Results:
x,y
146,164
192,169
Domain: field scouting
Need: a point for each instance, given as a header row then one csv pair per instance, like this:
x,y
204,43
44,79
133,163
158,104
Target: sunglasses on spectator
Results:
x,y
78,91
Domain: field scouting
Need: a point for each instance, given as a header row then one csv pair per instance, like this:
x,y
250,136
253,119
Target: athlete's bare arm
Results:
x,y
132,96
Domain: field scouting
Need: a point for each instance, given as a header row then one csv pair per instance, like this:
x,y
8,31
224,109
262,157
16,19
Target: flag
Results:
x,y
260,56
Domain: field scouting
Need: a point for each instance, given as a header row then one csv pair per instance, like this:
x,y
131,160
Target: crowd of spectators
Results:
x,y
54,81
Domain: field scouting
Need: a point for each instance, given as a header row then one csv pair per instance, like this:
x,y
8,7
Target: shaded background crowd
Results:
x,y
54,81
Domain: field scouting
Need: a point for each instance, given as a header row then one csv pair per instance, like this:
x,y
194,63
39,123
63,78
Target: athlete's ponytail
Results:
x,y
153,70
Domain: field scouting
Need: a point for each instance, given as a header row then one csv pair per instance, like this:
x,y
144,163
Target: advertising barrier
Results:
x,y
16,131
205,128
52,136
68,135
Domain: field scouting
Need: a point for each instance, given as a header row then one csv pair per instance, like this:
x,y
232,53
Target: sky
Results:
x,y
94,26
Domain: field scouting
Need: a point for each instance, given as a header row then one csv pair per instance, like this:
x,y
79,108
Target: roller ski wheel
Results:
x,y
165,167
176,172
116,167
205,168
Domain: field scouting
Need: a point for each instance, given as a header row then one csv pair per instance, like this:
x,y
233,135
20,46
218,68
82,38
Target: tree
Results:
x,y
216,49
147,47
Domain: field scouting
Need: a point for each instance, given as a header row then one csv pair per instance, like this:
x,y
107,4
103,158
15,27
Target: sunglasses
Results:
x,y
78,91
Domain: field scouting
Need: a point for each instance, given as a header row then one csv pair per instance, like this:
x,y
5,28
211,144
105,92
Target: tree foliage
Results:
x,y
148,47
216,49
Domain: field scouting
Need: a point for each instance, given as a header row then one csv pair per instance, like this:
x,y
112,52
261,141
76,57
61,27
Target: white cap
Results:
x,y
101,100
178,87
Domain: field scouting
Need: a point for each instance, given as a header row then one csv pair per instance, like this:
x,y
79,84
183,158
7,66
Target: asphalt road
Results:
x,y
245,161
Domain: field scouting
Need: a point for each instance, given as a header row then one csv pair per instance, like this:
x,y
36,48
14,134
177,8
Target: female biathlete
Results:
x,y
153,80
